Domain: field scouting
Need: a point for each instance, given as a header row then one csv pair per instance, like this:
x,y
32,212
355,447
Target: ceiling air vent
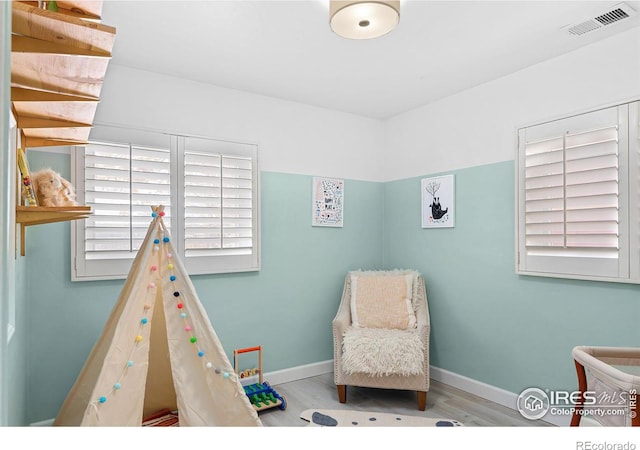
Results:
x,y
616,14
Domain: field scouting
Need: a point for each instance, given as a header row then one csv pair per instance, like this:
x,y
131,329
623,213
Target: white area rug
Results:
x,y
346,418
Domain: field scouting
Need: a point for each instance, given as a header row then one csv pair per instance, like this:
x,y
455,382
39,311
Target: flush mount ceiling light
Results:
x,y
363,19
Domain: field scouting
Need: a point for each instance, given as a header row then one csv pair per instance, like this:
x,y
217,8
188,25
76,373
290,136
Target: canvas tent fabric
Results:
x,y
158,350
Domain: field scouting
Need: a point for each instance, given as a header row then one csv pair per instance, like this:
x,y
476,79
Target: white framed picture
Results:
x,y
327,202
438,198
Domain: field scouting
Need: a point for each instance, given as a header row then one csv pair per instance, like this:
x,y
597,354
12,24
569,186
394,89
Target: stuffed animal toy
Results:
x,y
52,190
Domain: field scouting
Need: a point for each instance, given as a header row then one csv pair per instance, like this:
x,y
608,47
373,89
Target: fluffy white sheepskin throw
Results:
x,y
379,352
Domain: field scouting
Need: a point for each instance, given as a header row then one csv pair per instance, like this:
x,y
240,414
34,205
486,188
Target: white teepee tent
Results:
x,y
157,351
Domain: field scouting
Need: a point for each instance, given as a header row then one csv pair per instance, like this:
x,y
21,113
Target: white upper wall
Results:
x,y
291,137
478,126
474,127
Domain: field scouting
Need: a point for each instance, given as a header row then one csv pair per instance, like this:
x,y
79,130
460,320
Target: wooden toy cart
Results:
x,y
261,395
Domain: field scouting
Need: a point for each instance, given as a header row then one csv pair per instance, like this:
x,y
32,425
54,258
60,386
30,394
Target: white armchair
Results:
x,y
381,333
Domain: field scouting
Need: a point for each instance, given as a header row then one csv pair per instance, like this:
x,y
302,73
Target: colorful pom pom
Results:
x,y
170,267
187,328
103,399
154,268
183,315
129,363
162,213
225,375
193,339
200,353
151,285
165,239
156,241
156,248
176,294
143,321
172,278
138,338
147,306
154,214
117,386
169,255
180,306
208,365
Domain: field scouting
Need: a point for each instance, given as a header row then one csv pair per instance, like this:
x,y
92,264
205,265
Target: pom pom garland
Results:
x,y
163,255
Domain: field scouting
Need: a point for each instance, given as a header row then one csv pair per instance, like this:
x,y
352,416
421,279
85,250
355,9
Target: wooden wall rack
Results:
x,y
58,63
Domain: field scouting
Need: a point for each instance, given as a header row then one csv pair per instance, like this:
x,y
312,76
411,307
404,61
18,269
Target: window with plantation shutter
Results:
x,y
208,187
578,196
121,184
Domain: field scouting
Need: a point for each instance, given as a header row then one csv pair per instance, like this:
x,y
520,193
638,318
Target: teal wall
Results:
x,y
287,307
488,323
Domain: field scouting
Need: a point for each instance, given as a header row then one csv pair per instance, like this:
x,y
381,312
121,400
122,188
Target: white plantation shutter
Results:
x,y
219,193
121,183
574,193
208,188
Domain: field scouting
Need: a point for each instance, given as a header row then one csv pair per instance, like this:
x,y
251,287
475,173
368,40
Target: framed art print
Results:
x,y
438,197
328,202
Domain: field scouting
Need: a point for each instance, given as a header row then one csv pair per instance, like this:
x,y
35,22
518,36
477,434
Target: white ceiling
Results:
x,y
286,49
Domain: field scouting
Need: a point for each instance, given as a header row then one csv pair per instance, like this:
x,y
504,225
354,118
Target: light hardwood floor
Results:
x,y
443,401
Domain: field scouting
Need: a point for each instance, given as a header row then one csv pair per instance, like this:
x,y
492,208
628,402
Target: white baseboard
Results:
x,y
487,391
44,423
475,387
299,372
273,378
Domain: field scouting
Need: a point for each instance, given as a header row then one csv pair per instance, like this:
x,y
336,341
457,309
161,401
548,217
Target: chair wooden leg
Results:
x,y
422,400
342,393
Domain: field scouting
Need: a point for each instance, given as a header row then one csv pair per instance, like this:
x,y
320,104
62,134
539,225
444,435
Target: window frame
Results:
x,y
628,261
83,270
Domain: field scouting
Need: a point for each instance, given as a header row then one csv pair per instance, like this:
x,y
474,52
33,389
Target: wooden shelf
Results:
x,y
37,215
58,64
89,10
